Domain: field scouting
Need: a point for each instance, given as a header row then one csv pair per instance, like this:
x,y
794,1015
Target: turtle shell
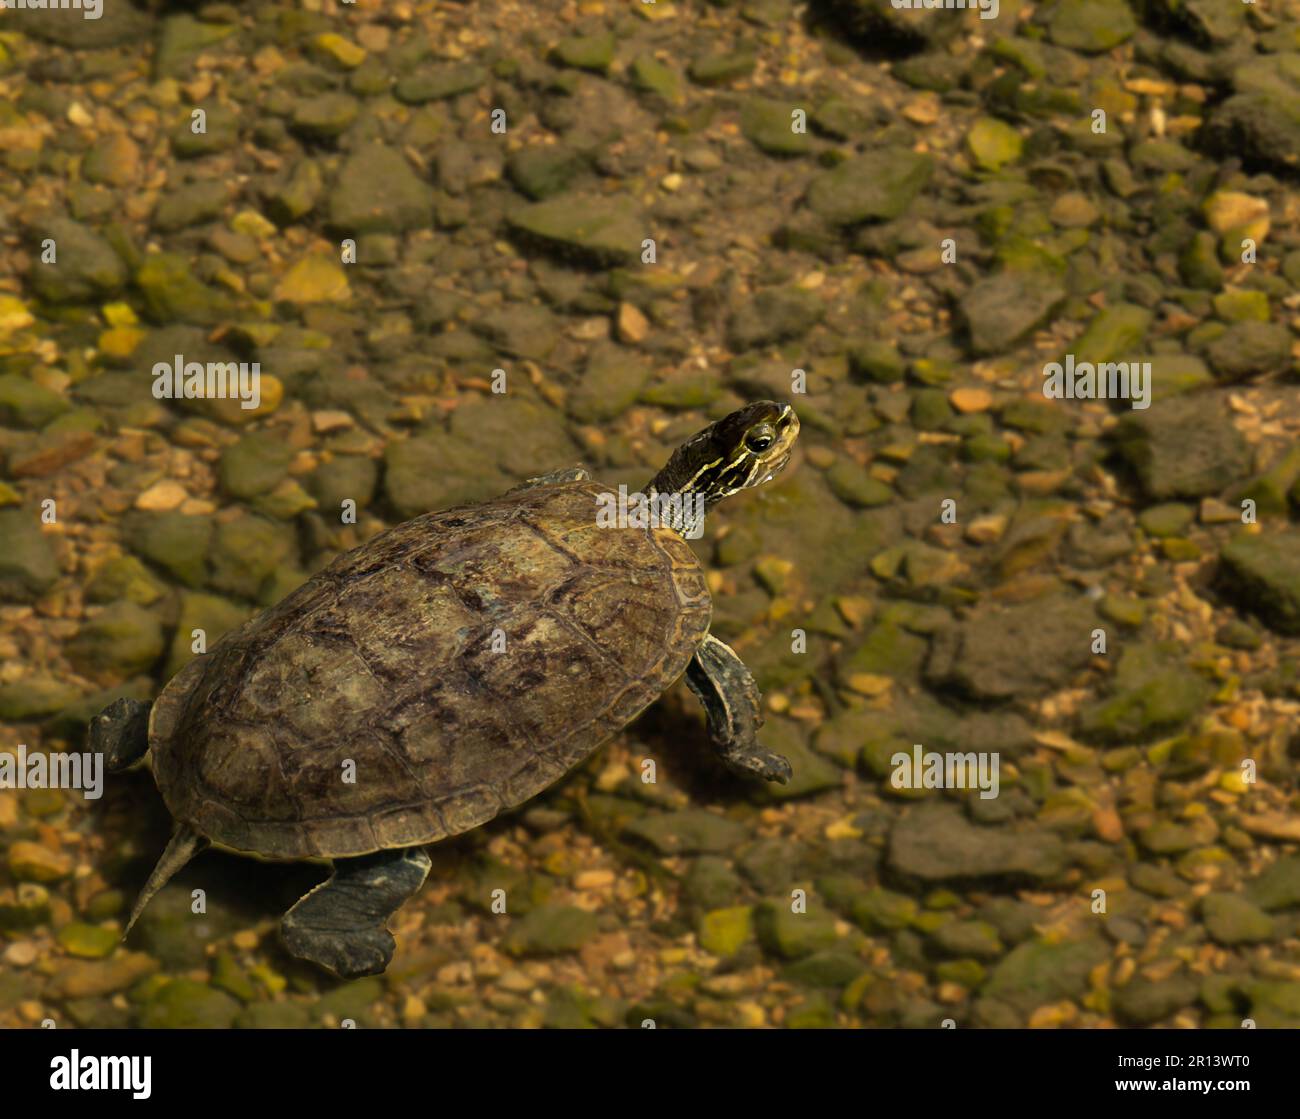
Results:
x,y
448,669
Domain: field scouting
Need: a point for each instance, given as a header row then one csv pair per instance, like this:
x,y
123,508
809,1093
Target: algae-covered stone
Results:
x,y
587,52
689,831
993,143
791,935
1115,334
378,192
774,315
723,932
314,279
172,293
1233,919
1145,1001
24,403
1001,309
611,383
175,542
1249,349
1040,972
246,552
34,862
430,471
123,577
254,465
1091,25
1263,573
550,930
202,616
189,205
90,942
35,697
440,81
607,229
1188,447
121,639
182,39
28,567
877,186
184,1004
85,266
1278,887
1020,650
342,479
545,170
774,126
935,842
1155,693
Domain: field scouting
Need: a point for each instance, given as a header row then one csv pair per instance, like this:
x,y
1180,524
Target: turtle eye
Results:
x,y
760,438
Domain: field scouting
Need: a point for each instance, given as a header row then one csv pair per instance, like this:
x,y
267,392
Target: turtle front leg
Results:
x,y
121,733
723,684
341,924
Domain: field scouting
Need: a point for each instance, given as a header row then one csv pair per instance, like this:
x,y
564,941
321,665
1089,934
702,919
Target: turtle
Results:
x,y
447,670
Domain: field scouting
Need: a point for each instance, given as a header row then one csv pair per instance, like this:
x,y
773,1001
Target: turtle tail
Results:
x,y
185,843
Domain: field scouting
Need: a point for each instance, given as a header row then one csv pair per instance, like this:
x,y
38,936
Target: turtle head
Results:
x,y
747,448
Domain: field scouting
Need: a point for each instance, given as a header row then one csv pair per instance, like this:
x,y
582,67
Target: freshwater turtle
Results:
x,y
443,672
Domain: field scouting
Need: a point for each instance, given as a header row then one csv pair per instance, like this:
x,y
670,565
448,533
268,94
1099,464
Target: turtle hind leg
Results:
x,y
554,478
121,733
341,924
731,699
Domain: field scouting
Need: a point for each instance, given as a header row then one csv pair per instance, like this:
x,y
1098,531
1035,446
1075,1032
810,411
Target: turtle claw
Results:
x,y
769,766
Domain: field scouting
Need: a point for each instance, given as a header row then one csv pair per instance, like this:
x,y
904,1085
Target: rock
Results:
x,y
832,968
792,936
774,315
1116,333
344,478
587,52
28,567
83,979
723,68
314,279
24,403
1022,650
520,330
118,25
1260,122
121,640
207,613
1278,887
549,930
246,552
430,471
1188,447
993,144
33,862
1145,1001
324,116
723,932
254,465
971,939
1232,919
184,1004
878,186
611,383
34,697
1001,309
688,831
174,541
1154,694
1262,572
189,205
935,842
710,883
172,293
181,40
606,229
1091,26
90,942
1040,972
440,81
85,267
541,172
769,126
378,192
652,76
1250,349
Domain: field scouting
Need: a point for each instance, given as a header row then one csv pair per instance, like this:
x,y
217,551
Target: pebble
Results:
x,y
30,862
968,400
162,497
21,954
633,326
